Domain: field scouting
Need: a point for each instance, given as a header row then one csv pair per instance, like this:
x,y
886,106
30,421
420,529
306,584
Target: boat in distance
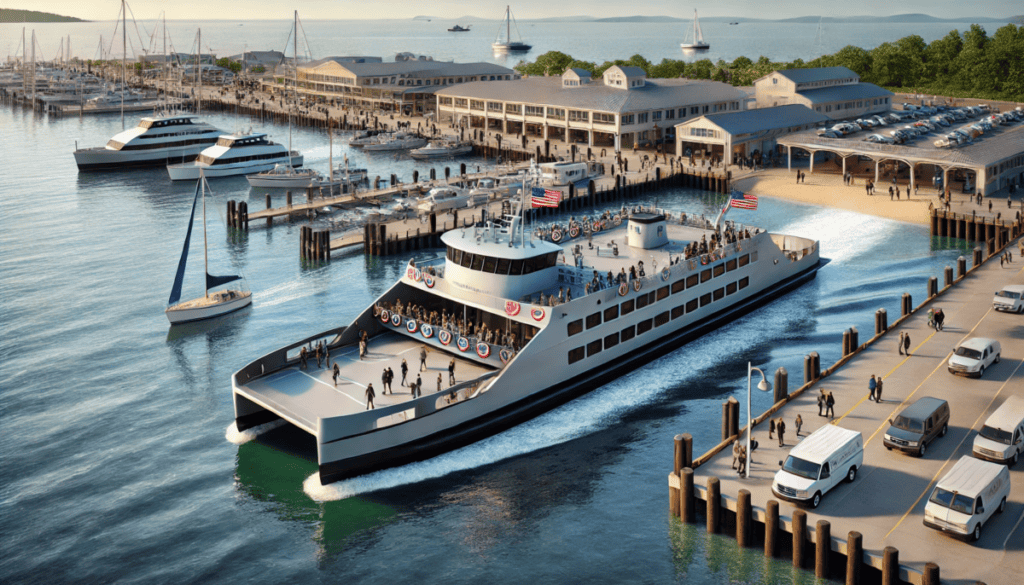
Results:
x,y
459,28
524,324
506,44
156,141
698,43
236,154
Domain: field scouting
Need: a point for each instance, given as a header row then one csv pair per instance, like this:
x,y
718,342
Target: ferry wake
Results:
x,y
506,326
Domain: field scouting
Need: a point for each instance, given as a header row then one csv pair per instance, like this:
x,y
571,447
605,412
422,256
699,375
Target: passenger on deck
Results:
x,y
369,397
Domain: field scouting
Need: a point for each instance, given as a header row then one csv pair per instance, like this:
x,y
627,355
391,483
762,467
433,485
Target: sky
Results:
x,y
522,9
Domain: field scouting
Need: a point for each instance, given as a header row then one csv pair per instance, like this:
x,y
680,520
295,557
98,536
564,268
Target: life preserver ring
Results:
x,y
428,280
556,235
427,331
483,350
444,336
411,273
637,285
419,275
666,273
396,319
537,313
623,289
512,308
411,325
703,259
617,220
462,344
597,226
385,316
505,355
574,231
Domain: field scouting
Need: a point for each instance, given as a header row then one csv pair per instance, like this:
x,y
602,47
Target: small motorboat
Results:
x,y
442,149
458,28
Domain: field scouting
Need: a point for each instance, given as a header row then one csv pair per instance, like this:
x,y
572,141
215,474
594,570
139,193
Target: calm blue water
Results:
x,y
112,432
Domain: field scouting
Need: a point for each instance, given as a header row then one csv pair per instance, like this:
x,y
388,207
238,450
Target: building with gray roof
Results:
x,y
623,108
733,135
836,92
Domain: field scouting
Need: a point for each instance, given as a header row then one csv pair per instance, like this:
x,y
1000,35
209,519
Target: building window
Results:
x,y
493,106
513,109
670,114
705,275
641,118
578,116
556,113
678,286
705,300
627,120
641,301
730,264
600,118
575,327
662,293
535,111
719,270
744,259
575,355
656,116
730,288
678,312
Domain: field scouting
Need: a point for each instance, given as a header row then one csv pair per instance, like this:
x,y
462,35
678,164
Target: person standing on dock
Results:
x,y
384,381
830,406
878,391
319,355
451,372
423,358
872,385
742,461
821,402
899,345
781,428
303,356
906,344
337,372
771,428
799,422
735,453
369,397
417,389
405,371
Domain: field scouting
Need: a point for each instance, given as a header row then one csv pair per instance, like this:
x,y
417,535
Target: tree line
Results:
x,y
971,64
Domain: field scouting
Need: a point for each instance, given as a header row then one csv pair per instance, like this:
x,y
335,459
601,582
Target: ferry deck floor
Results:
x,y
302,395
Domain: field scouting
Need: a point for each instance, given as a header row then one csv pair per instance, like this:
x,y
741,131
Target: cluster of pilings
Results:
x,y
238,215
314,246
995,232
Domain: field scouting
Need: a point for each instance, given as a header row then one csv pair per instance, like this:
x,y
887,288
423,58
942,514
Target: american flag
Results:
x,y
743,200
546,197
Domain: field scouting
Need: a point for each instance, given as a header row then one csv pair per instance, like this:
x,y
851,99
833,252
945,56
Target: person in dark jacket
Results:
x,y
830,404
872,385
369,397
781,428
906,344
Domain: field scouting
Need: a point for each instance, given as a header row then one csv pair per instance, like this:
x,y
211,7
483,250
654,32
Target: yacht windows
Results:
x,y
611,341
662,293
478,262
661,319
454,254
503,264
489,264
692,281
719,294
744,282
516,268
611,313
627,334
530,265
730,288
644,326
678,311
691,305
467,259
575,327
744,259
705,275
576,355
678,286
705,300
730,265
627,307
594,347
719,270
593,320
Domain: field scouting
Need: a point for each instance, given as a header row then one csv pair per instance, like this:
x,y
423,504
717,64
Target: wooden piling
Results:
x,y
854,556
890,566
799,532
771,528
822,548
744,518
714,503
687,512
930,575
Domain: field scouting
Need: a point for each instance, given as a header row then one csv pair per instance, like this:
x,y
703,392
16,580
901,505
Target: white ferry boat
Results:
x,y
525,331
395,141
447,198
155,141
236,154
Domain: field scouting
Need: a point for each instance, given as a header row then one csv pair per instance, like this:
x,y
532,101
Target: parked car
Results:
x,y
974,355
1001,439
966,497
917,425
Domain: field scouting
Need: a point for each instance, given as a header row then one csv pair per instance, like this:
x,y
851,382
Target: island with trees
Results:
x,y
12,15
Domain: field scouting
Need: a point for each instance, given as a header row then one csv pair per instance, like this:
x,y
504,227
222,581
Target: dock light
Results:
x,y
763,386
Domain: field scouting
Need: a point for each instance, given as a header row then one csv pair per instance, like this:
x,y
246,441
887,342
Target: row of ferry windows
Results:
x,y
610,341
120,146
503,266
206,159
678,286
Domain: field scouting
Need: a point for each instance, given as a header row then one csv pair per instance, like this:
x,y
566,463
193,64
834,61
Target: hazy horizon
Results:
x,y
100,10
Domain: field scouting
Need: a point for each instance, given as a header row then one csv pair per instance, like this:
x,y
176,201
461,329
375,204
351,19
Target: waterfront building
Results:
x,y
268,60
622,109
405,85
836,92
738,134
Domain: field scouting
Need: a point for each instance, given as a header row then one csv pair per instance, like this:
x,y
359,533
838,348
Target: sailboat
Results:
x,y
698,43
209,305
508,45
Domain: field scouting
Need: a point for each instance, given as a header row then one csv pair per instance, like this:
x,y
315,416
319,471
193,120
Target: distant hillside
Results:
x,y
12,15
865,18
640,19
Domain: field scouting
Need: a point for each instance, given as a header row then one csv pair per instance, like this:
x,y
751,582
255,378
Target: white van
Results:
x,y
967,496
1001,439
818,463
973,356
1010,299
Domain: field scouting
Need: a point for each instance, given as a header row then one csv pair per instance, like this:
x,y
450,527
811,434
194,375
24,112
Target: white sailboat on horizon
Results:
x,y
698,43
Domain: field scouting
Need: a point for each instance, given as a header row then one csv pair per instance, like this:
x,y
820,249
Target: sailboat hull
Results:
x,y
196,311
697,47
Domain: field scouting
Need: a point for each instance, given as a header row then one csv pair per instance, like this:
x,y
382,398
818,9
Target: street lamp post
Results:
x,y
763,386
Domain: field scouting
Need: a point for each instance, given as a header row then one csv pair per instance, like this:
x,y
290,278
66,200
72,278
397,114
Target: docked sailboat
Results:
x,y
525,329
442,149
697,39
506,44
210,304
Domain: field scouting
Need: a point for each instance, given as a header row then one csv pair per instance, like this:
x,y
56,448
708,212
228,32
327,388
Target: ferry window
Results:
x,y
611,313
478,262
551,260
719,294
678,312
627,334
611,341
661,319
691,306
719,270
662,293
593,347
644,326
692,281
467,259
744,282
576,355
678,286
730,288
530,265
503,264
705,300
593,320
627,307
575,327
730,265
641,301
744,259
489,264
517,267
705,275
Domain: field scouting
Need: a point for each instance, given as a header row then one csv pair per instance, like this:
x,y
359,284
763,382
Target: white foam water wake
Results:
x,y
283,293
844,235
233,435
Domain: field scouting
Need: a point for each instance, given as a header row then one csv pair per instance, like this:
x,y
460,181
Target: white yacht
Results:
x,y
491,305
236,154
442,149
445,198
361,139
156,141
395,141
285,176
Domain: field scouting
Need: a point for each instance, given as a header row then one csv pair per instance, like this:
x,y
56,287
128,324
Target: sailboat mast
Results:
x,y
295,70
508,23
199,71
124,57
206,254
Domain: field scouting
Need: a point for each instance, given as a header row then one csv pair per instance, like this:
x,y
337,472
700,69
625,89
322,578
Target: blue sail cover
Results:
x,y
179,277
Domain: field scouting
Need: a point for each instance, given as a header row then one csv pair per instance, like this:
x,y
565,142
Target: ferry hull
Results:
x,y
102,159
190,172
496,421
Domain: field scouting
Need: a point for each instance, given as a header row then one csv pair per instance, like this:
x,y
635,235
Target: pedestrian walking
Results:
x,y
423,358
327,356
439,382
872,386
781,428
451,372
821,403
742,460
303,356
906,344
830,406
890,192
405,370
799,422
337,372
735,453
319,355
384,381
418,389
369,397
940,317
878,391
771,428
899,345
